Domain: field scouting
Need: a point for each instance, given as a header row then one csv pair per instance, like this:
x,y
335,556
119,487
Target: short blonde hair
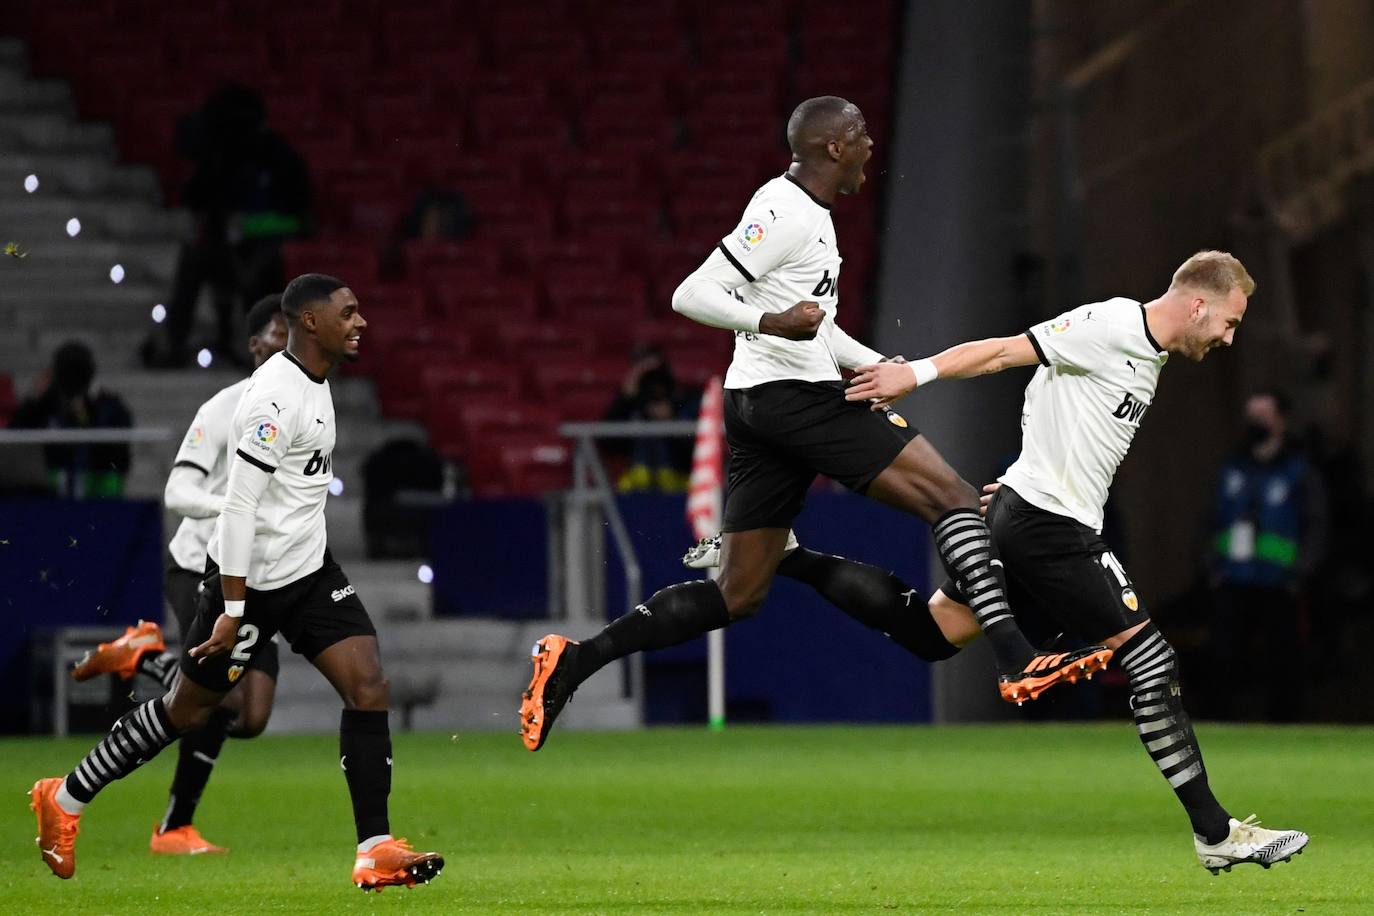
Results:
x,y
1215,272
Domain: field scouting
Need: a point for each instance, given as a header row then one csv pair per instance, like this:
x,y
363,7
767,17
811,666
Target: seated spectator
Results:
x,y
250,192
649,392
66,402
438,213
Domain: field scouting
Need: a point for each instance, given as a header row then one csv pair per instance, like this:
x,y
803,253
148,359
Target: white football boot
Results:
x,y
1249,842
705,553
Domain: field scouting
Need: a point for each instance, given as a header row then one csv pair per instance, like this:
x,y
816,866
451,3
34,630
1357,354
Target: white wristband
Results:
x,y
233,608
925,371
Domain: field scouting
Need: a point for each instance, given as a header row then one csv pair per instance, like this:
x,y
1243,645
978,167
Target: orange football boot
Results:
x,y
56,828
1049,668
121,656
392,863
181,841
548,691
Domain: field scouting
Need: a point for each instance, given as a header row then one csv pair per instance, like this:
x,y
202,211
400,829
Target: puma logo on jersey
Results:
x,y
340,594
1130,409
1130,365
908,595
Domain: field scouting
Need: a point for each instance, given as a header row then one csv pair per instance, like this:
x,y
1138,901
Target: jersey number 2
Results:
x,y
248,638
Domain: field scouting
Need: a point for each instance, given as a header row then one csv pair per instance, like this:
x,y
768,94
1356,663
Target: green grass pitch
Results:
x,y
1013,819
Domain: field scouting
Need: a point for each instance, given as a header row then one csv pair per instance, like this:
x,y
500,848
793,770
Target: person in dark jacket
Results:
x,y
250,192
1269,535
66,402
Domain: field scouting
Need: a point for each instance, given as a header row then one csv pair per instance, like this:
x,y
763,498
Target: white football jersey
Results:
x,y
785,248
206,449
1100,366
284,425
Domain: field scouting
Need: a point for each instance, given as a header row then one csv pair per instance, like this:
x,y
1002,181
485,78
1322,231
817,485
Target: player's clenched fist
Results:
x,y
800,322
221,638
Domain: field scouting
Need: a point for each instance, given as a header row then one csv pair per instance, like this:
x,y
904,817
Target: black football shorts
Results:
x,y
312,613
1061,575
782,434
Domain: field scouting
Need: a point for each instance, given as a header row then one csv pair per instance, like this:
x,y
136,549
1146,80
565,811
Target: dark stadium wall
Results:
x,y
954,240
70,564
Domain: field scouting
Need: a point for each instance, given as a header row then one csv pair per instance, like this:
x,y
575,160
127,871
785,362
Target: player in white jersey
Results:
x,y
195,490
774,282
1099,365
269,570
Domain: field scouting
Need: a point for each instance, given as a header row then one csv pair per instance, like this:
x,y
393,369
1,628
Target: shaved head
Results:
x,y
816,122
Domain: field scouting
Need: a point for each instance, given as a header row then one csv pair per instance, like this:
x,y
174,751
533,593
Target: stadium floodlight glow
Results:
x,y
204,358
425,574
73,227
336,487
117,273
31,183
159,313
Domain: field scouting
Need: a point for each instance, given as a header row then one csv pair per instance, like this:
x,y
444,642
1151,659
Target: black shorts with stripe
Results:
x,y
1061,575
782,434
312,613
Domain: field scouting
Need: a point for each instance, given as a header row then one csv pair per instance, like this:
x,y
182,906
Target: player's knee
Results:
x,y
252,721
372,692
742,599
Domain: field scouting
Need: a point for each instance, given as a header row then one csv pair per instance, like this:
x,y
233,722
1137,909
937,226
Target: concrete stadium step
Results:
x,y
95,172
36,218
56,132
21,94
90,262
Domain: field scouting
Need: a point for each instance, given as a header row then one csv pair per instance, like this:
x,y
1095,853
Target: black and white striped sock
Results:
x,y
135,739
1167,732
965,547
161,667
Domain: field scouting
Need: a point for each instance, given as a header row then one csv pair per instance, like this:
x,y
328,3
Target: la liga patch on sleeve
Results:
x,y
752,234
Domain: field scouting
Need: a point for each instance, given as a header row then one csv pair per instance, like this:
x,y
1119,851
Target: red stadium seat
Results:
x,y
521,466
569,289
350,261
424,255
556,375
482,297
403,376
537,342
472,377
456,425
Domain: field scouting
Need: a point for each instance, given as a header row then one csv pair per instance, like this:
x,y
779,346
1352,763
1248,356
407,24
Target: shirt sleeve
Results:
x,y
198,448
849,353
264,424
707,297
764,238
1075,340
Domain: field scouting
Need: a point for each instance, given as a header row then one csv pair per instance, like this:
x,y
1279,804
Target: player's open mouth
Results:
x,y
354,340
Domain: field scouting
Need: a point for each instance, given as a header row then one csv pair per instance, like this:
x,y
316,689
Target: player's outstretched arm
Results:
x,y
885,382
185,493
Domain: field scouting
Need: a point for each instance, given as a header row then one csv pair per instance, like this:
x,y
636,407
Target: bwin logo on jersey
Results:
x,y
340,594
318,464
827,284
1130,410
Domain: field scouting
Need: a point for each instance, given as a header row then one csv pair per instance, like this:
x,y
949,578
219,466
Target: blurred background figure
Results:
x,y
66,401
250,192
1270,533
650,392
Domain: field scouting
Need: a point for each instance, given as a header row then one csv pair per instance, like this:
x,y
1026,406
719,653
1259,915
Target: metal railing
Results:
x,y
579,544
